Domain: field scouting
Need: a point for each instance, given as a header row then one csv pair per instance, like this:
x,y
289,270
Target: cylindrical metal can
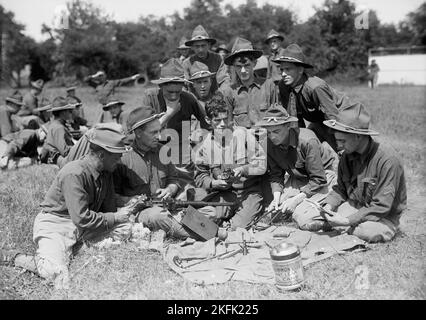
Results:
x,y
287,265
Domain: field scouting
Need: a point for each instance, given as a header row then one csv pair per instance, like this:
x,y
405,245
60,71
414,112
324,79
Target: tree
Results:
x,y
416,22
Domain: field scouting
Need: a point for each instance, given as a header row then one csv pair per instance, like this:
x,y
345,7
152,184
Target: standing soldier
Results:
x,y
105,88
373,73
274,40
201,43
305,97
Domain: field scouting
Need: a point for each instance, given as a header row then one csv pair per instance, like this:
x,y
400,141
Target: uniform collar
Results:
x,y
300,83
254,83
90,162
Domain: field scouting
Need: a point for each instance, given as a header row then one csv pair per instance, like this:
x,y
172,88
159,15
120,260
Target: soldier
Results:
x,y
370,195
201,43
27,117
305,97
59,139
113,112
247,98
79,122
7,123
21,147
222,50
44,111
105,88
78,208
234,149
310,165
274,40
183,50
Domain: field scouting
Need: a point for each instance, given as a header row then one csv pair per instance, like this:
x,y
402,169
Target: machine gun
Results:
x,y
142,202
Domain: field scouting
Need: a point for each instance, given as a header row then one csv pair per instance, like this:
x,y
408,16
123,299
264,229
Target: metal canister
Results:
x,y
288,267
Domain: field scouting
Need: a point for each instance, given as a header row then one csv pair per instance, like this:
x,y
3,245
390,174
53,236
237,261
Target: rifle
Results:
x,y
142,202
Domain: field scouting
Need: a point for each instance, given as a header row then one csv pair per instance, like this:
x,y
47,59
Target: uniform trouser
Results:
x,y
246,212
370,231
17,162
58,239
324,133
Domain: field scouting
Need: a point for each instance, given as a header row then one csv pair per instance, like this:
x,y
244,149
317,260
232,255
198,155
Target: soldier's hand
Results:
x,y
163,193
122,215
220,185
273,206
238,172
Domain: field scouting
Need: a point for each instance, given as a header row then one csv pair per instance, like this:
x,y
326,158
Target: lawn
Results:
x,y
396,269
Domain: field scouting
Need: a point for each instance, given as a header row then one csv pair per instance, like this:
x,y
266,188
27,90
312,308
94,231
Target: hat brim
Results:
x,y
35,86
294,61
256,54
275,122
111,149
107,106
67,107
144,121
17,102
183,47
70,89
167,80
191,42
45,108
201,76
333,124
272,37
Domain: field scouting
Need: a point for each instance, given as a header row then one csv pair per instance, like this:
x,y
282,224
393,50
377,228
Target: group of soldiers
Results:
x,y
290,147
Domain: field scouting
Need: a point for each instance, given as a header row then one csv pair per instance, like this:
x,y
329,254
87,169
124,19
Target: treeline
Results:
x,y
93,40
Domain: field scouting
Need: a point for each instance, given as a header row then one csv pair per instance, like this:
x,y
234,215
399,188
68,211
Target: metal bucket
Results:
x,y
287,265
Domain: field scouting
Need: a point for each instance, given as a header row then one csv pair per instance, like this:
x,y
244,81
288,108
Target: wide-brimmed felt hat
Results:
x,y
242,47
45,105
199,70
140,116
60,103
293,54
182,43
16,98
200,34
38,84
171,71
352,119
98,74
222,47
275,115
112,101
273,34
109,139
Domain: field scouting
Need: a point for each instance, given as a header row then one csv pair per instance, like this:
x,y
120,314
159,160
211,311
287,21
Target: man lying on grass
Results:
x,y
79,207
370,194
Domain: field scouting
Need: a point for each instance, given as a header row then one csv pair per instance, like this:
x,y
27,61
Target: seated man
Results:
x,y
370,194
27,116
59,139
112,112
19,145
310,169
78,208
232,149
7,123
141,171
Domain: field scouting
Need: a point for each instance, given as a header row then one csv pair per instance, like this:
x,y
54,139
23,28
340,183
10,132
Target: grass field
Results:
x,y
396,269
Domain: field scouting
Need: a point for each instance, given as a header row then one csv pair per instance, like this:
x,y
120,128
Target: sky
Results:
x,y
33,13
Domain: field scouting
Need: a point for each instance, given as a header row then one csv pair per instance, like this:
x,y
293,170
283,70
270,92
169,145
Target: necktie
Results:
x,y
292,110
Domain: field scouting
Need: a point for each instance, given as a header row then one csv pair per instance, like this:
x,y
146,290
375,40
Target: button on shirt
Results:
x,y
142,172
373,182
84,193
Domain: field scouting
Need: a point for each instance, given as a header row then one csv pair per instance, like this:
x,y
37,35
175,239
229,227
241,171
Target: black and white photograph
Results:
x,y
212,156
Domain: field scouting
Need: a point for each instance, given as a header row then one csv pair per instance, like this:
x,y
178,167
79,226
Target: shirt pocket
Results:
x,y
369,186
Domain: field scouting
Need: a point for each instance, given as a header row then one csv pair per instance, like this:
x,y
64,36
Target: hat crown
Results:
x,y
241,44
198,67
276,111
199,33
294,51
223,47
272,34
172,69
355,116
107,137
59,102
139,114
182,41
44,102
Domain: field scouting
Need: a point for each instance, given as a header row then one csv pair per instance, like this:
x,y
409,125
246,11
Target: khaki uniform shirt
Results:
x,y
59,139
83,193
372,182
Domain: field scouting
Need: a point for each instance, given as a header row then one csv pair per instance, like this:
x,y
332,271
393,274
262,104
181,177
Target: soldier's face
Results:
x,y
115,110
222,53
244,68
347,141
274,44
201,48
278,134
110,160
291,73
183,52
202,87
220,122
149,134
172,91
